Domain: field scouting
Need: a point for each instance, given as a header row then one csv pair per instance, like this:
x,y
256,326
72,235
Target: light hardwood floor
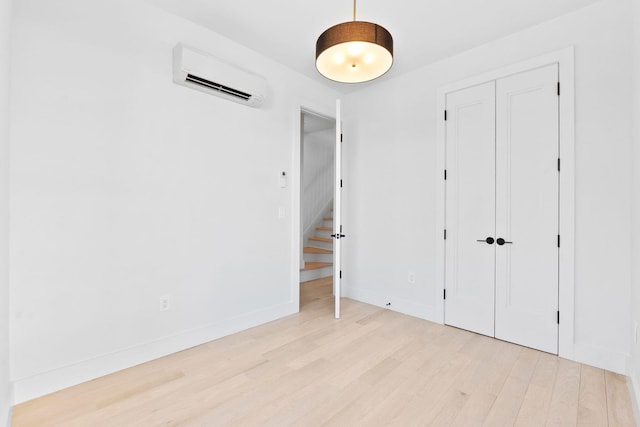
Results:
x,y
373,367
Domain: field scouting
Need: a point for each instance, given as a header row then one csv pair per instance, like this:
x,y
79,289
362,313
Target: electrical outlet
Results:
x,y
164,303
412,277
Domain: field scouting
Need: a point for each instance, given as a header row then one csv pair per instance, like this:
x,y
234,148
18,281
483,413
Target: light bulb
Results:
x,y
355,48
339,58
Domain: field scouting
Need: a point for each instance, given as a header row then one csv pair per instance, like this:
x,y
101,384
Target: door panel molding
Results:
x,y
527,208
566,108
470,147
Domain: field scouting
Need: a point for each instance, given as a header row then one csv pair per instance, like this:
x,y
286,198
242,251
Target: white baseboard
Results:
x,y
591,355
400,305
67,376
602,358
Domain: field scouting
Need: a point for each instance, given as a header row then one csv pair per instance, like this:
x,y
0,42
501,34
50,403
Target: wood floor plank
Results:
x,y
509,400
446,413
433,369
566,390
437,388
372,367
409,362
506,406
592,403
495,361
619,412
353,413
475,410
537,400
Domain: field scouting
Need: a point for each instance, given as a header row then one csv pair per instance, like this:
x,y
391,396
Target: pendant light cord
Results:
x,y
354,10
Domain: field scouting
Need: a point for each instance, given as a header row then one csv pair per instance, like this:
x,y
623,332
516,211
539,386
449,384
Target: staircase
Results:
x,y
318,252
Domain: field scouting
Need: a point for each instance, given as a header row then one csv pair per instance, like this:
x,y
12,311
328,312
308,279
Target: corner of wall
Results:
x,y
634,359
10,409
6,388
634,390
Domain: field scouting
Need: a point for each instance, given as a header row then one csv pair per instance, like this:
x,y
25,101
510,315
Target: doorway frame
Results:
x,y
566,224
324,111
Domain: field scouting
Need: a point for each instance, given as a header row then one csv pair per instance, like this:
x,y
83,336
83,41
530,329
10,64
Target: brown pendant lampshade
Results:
x,y
354,52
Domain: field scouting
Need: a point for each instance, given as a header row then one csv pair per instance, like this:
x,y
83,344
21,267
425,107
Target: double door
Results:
x,y
502,145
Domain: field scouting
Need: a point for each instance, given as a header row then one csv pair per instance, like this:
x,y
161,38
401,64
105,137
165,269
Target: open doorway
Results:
x,y
317,295
317,184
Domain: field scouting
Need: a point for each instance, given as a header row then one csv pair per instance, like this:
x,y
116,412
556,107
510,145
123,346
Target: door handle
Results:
x,y
338,236
501,241
488,240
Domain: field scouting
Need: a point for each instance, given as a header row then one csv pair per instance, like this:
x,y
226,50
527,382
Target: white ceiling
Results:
x,y
423,31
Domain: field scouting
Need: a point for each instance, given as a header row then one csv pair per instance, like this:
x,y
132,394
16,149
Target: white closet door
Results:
x,y
470,205
527,209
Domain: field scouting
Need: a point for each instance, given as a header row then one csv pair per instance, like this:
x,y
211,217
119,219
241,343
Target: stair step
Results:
x,y
315,265
307,275
317,254
313,250
321,239
324,228
328,218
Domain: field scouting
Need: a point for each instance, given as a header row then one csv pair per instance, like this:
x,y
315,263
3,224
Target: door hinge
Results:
x,y
445,294
558,165
445,174
558,88
341,274
340,183
340,137
445,115
558,240
558,317
445,234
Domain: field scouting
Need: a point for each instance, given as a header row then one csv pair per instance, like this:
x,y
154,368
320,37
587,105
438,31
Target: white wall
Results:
x,y
317,177
126,187
635,200
390,146
5,385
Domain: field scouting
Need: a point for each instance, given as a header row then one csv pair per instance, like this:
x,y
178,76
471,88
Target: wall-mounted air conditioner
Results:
x,y
206,73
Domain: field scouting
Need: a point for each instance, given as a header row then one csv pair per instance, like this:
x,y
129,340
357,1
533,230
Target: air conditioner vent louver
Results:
x,y
217,86
205,73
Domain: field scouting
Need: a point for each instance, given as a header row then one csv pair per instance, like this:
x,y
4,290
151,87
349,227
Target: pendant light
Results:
x,y
354,52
